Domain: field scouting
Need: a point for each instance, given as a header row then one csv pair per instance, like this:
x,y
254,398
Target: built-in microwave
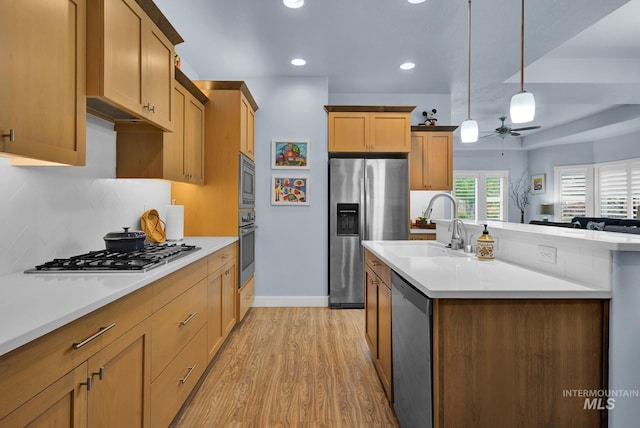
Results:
x,y
247,185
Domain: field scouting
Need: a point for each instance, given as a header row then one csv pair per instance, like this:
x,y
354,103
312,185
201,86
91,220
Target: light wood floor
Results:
x,y
292,367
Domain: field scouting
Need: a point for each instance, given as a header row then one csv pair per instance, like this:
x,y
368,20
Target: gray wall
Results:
x,y
292,248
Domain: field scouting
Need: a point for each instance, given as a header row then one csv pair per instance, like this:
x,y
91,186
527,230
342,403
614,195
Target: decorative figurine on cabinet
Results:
x,y
430,118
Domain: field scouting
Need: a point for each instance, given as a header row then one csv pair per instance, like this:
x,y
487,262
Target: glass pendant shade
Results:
x,y
469,131
523,107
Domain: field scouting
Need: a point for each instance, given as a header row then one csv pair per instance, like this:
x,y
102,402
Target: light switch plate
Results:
x,y
547,254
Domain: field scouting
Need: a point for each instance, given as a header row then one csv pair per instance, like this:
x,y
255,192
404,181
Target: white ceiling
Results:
x,y
582,57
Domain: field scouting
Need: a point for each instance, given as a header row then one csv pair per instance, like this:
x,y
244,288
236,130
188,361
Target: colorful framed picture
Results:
x,y
290,154
289,189
538,184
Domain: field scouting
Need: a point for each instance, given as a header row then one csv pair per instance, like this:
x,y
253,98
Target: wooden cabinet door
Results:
x,y
214,311
62,404
158,77
371,310
120,393
194,140
348,131
247,120
122,50
229,292
384,337
437,159
390,132
174,162
431,161
42,81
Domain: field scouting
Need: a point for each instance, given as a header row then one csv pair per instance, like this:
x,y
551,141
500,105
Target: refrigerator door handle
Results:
x,y
363,212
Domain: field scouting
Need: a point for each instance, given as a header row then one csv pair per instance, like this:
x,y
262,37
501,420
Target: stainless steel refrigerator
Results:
x,y
368,200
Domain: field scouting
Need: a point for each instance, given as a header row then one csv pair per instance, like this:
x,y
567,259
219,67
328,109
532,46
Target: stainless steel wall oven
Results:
x,y
247,184
247,245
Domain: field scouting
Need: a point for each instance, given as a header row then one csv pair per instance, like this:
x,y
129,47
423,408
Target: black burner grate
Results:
x,y
152,255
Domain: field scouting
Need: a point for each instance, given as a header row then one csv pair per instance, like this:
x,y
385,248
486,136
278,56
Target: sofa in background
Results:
x,y
620,225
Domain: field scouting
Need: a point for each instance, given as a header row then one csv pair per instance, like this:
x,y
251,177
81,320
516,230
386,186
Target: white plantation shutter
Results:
x,y
635,189
614,191
465,191
573,188
495,197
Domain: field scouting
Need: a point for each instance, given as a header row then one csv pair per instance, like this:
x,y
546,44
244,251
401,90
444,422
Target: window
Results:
x,y
619,189
610,189
574,189
481,195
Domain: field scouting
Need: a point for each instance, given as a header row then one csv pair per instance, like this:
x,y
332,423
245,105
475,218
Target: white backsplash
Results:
x,y
49,212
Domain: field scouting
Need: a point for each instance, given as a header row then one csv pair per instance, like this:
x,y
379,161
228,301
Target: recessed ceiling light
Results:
x,y
298,61
294,4
416,1
407,66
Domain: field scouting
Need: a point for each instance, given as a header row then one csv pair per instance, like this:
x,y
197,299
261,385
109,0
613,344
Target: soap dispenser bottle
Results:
x,y
485,245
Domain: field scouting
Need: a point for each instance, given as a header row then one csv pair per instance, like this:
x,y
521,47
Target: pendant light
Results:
x,y
469,128
523,105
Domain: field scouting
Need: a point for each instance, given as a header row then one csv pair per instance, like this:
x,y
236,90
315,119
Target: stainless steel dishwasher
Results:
x,y
411,323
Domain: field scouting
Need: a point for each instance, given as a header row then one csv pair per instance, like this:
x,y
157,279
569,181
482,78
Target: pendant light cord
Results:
x,y
469,63
522,48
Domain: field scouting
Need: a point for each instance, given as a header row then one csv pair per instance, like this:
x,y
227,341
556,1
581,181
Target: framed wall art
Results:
x,y
538,184
289,189
290,154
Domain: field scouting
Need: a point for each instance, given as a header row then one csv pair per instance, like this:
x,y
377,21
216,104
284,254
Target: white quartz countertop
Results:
x,y
32,305
613,241
441,273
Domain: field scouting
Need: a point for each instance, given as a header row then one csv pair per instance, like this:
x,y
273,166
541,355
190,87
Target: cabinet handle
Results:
x,y
149,107
225,255
184,379
188,320
78,345
11,135
89,383
375,282
99,373
375,263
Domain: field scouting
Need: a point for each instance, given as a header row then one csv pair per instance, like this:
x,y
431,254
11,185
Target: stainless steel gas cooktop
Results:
x,y
151,256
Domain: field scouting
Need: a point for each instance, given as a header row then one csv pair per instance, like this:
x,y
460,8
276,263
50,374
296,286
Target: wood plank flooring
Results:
x,y
292,367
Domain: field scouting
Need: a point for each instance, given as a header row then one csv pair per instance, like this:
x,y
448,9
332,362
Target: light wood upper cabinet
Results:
x,y
431,161
247,125
144,151
130,71
369,129
183,149
42,82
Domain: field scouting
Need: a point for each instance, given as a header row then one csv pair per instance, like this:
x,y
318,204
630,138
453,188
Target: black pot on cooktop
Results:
x,y
125,240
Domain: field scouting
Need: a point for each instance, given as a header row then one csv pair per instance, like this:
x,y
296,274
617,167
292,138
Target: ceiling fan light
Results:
x,y
523,107
469,131
293,4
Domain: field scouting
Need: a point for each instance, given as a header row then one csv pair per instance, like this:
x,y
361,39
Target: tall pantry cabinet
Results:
x,y
212,209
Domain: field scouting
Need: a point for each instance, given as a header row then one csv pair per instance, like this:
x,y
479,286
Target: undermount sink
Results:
x,y
422,249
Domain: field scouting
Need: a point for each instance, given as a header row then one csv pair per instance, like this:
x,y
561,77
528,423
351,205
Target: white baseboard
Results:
x,y
290,301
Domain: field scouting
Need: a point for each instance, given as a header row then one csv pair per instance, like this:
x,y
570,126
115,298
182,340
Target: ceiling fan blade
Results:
x,y
514,134
527,128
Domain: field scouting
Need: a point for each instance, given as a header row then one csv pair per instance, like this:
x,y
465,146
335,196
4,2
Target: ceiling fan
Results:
x,y
504,131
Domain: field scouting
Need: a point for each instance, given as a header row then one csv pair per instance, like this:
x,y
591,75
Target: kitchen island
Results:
x,y
507,341
68,341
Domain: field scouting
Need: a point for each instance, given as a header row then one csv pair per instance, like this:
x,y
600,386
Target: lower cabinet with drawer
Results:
x,y
132,363
71,373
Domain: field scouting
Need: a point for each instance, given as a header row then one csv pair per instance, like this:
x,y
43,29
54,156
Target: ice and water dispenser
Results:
x,y
348,219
